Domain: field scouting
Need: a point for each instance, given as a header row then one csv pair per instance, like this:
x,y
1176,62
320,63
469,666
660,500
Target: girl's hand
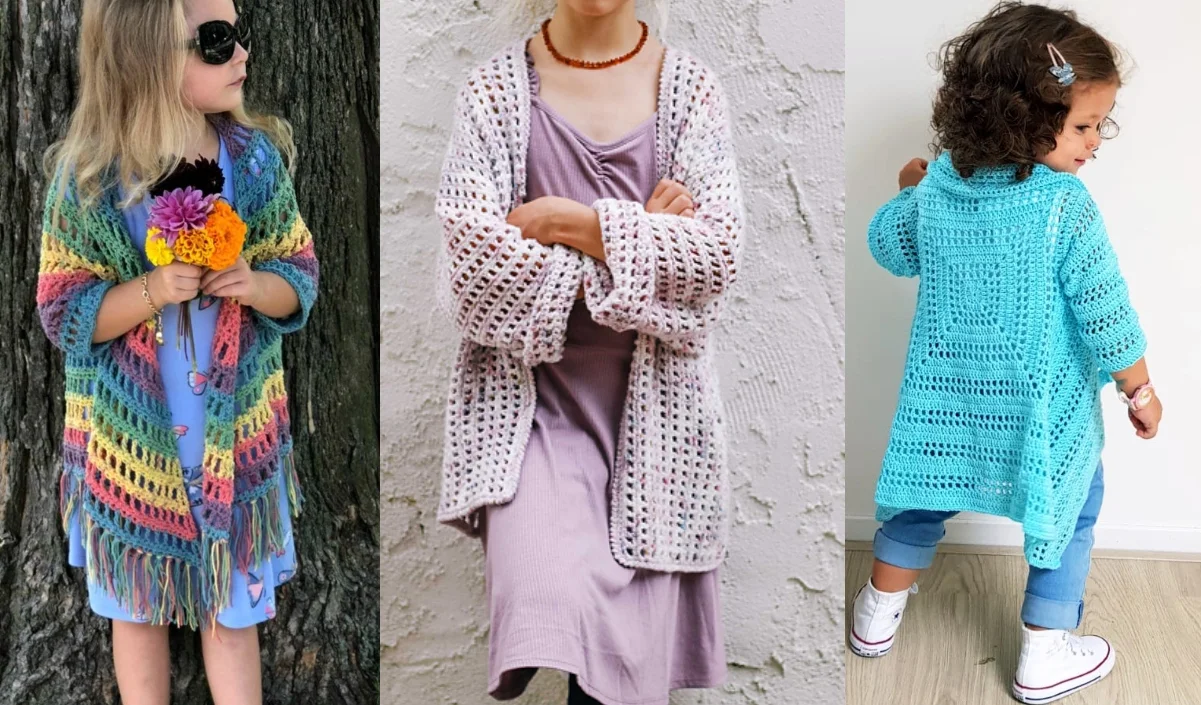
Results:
x,y
1146,421
672,198
913,172
235,281
552,220
173,283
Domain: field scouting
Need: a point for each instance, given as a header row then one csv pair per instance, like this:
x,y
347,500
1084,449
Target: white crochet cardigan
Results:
x,y
665,277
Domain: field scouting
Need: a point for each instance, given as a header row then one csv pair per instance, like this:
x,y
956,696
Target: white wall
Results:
x,y
1147,184
780,354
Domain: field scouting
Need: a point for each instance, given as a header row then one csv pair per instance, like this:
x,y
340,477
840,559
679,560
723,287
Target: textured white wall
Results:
x,y
1146,185
780,354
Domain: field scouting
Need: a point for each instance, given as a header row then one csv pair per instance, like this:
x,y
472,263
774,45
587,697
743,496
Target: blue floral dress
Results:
x,y
253,593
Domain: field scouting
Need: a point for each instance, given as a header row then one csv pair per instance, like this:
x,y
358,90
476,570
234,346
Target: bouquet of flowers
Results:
x,y
190,222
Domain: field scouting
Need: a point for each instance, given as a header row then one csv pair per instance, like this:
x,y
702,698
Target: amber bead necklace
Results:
x,y
576,63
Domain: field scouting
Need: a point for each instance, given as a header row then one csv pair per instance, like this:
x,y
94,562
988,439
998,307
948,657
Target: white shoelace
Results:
x,y
1074,644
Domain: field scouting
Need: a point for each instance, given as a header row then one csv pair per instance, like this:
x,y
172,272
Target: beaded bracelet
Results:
x,y
157,314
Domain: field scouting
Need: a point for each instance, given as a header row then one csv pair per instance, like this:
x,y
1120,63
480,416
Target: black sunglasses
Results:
x,y
216,40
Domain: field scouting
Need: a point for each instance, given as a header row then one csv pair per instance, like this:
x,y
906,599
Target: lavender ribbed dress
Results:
x,y
557,597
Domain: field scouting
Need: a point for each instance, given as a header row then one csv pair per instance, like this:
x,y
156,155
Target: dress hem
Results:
x,y
537,662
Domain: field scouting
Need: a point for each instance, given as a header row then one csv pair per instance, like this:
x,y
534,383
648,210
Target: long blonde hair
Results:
x,y
130,111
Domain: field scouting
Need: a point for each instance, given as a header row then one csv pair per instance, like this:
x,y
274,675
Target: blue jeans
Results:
x,y
1054,598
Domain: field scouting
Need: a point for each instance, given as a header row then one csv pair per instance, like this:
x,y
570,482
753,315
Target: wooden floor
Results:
x,y
958,644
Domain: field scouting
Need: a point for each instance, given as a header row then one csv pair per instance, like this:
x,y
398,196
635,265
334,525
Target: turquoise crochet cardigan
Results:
x,y
1022,314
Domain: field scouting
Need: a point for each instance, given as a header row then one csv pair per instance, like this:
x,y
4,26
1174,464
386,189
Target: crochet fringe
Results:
x,y
292,481
161,589
168,589
70,497
257,522
218,587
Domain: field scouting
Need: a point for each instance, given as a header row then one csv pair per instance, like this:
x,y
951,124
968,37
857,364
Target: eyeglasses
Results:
x,y
217,39
1109,129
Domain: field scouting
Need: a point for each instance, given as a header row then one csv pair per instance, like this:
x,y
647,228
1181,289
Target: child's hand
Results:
x,y
235,281
173,283
672,198
1146,421
913,172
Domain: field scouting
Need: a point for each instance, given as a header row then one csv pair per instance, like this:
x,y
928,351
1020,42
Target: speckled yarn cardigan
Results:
x,y
665,277
120,459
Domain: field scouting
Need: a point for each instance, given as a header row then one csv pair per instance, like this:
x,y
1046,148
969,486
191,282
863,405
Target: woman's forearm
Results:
x,y
583,233
276,298
121,309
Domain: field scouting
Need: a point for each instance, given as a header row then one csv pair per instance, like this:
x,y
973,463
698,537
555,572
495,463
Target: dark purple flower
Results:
x,y
203,174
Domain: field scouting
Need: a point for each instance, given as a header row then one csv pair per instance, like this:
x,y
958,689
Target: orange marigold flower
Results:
x,y
228,233
194,247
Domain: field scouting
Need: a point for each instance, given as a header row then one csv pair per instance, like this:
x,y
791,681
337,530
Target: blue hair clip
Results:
x,y
1060,68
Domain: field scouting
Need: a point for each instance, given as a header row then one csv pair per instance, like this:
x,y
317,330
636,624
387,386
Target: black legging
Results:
x,y
576,696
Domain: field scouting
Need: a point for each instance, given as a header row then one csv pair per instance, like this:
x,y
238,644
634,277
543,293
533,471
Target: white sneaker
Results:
x,y
877,616
1055,663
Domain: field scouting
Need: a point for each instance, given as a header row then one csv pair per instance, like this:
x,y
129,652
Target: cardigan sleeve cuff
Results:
x,y
79,322
306,291
619,291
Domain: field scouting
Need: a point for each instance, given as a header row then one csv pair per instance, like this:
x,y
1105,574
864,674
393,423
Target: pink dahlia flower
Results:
x,y
182,209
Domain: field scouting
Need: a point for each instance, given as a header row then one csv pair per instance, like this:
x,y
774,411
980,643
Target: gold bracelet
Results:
x,y
146,295
155,313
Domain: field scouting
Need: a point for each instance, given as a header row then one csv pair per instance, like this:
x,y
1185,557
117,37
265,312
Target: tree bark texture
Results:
x,y
316,63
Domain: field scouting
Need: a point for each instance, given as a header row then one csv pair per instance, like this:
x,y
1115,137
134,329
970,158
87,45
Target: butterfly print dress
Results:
x,y
253,594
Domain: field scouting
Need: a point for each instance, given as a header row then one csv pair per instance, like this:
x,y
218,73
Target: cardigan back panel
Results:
x,y
1021,314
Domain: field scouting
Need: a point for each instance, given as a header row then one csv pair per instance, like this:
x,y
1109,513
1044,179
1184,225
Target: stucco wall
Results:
x,y
780,354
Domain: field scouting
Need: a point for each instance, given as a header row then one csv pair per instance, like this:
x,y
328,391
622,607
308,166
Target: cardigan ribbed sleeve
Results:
x,y
503,290
1097,295
666,275
892,235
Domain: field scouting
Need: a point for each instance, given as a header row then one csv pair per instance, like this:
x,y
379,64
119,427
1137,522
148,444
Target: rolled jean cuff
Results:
x,y
902,555
1051,614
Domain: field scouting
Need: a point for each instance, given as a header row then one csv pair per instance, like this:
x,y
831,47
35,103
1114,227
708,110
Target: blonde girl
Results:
x,y
177,487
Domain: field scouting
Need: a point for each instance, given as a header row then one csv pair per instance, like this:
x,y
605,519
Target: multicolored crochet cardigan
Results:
x,y
120,460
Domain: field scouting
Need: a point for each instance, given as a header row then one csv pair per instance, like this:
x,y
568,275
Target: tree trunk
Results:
x,y
317,64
